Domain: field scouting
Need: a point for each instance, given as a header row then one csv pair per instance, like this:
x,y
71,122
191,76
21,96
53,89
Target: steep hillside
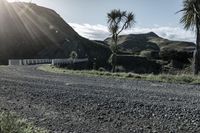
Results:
x,y
31,31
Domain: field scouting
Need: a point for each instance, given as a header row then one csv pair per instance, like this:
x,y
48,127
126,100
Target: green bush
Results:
x,y
181,56
138,64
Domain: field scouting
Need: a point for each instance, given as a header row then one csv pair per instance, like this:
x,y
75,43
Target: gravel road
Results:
x,y
77,104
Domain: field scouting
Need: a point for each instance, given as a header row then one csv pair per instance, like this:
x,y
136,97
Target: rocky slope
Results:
x,y
31,31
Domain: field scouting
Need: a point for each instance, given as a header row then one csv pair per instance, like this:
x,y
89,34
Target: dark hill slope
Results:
x,y
152,42
31,31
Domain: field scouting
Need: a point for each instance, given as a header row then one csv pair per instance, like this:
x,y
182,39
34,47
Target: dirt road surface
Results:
x,y
78,104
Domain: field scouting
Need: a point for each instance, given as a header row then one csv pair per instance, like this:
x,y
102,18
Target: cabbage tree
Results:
x,y
117,22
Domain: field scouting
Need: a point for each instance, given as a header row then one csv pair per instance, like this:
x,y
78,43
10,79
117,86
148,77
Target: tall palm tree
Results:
x,y
191,20
117,22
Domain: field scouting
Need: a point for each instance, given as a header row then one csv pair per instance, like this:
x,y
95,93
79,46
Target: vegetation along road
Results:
x,y
67,103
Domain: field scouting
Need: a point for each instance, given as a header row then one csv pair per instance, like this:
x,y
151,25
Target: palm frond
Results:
x,y
191,14
118,21
130,20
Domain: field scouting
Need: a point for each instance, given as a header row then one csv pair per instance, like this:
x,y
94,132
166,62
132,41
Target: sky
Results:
x,y
88,17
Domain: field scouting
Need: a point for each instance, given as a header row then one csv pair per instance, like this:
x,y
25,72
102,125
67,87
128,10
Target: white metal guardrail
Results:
x,y
29,61
44,61
67,61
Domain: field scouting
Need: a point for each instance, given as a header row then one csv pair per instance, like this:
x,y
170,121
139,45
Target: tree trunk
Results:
x,y
113,68
114,58
195,62
197,51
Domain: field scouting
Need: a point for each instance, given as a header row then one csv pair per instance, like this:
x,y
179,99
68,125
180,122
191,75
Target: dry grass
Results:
x,y
179,78
11,123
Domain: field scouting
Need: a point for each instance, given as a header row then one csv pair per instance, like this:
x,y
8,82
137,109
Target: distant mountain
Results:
x,y
153,45
150,41
31,31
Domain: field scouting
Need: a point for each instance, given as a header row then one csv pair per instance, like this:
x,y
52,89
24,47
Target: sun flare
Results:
x,y
19,0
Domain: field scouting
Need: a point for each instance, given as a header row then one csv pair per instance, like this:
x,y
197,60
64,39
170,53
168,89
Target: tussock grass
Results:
x,y
179,78
11,123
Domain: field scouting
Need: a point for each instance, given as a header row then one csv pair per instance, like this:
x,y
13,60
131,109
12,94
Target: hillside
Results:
x,y
31,31
152,42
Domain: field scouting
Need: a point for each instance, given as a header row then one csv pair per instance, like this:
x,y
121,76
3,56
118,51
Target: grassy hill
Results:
x,y
31,31
136,43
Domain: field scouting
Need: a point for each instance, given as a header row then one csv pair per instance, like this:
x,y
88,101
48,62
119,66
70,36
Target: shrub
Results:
x,y
181,56
73,55
138,64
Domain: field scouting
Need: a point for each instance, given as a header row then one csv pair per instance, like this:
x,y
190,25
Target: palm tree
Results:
x,y
191,20
117,22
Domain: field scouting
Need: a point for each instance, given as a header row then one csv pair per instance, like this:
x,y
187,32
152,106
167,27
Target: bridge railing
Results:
x,y
29,61
67,61
44,61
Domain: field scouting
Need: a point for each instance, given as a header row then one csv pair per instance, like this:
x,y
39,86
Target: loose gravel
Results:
x,y
78,104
